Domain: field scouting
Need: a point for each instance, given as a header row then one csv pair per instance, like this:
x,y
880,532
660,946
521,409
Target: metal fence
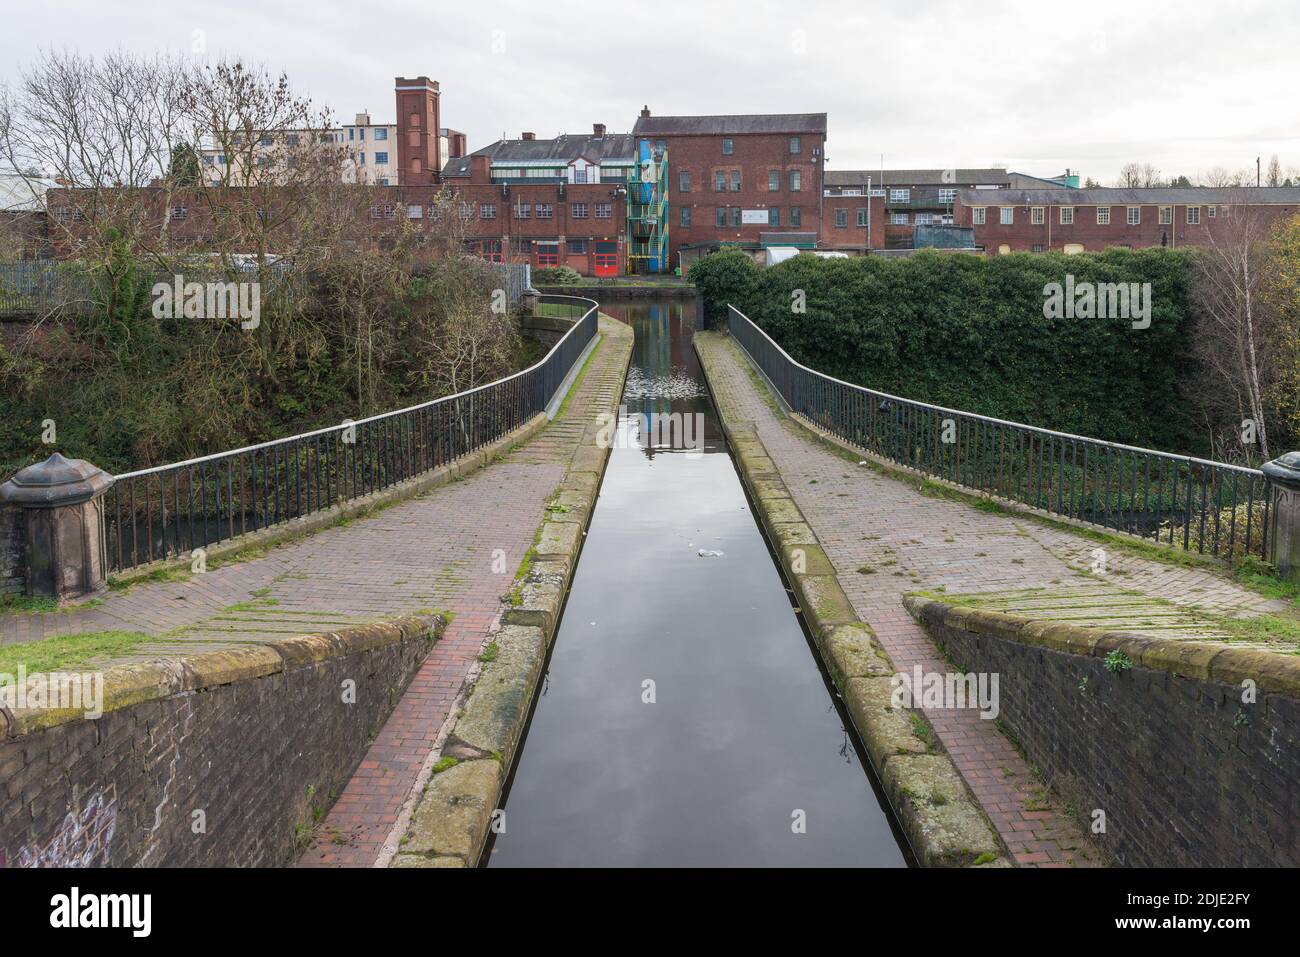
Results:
x,y
1196,504
169,510
515,278
37,287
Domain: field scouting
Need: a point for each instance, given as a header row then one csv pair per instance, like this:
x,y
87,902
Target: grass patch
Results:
x,y
490,652
67,651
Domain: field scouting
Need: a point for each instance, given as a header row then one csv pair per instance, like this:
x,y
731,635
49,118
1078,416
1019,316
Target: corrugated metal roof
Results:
x,y
914,177
1115,196
559,151
727,125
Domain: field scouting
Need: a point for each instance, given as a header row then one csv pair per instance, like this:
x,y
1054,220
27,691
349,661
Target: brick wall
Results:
x,y
754,156
13,570
259,740
1187,775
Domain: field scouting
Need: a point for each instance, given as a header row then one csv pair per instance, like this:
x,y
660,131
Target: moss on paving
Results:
x,y
67,651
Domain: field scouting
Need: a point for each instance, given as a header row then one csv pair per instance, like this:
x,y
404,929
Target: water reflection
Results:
x,y
684,720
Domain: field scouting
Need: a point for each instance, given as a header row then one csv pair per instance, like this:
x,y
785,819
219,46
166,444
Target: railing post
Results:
x,y
1283,474
63,514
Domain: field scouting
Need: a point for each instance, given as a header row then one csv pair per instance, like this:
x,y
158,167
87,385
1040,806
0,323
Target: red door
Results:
x,y
606,259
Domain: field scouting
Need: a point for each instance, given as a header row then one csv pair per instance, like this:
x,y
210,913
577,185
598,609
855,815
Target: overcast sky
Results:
x,y
1036,86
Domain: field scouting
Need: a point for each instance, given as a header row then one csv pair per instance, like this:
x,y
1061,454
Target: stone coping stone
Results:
x,y
1204,660
137,682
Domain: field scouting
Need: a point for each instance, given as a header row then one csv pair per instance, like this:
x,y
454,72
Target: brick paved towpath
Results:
x,y
886,538
431,552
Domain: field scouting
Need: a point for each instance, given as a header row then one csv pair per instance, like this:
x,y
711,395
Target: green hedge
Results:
x,y
969,332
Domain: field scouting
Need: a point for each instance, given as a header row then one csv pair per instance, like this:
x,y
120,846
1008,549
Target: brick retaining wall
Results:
x,y
259,739
1188,774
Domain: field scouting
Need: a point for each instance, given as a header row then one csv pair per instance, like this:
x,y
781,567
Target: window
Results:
x,y
862,217
774,216
661,147
523,210
604,210
178,212
735,216
1212,210
947,196
578,210
796,216
977,215
684,215
735,181
684,181
265,141
389,211
898,219
1036,216
466,210
1134,215
1067,215
382,182
774,181
1193,215
900,195
352,133
796,180
721,218
1103,215
720,181
487,211
1006,215
381,134
292,139
728,147
841,218
361,133
796,147
577,247
545,211
381,158
361,159
1039,248
1166,215
580,175
414,211
548,254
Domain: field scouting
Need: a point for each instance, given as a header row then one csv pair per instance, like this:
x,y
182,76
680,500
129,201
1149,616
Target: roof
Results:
x,y
16,192
559,151
730,124
1030,181
913,177
1115,196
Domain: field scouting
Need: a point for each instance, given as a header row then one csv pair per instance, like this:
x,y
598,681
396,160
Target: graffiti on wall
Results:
x,y
83,839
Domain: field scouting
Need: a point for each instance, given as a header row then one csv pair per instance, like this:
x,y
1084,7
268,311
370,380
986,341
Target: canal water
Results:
x,y
683,719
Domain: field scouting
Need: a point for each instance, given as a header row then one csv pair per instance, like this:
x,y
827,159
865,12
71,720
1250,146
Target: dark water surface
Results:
x,y
743,732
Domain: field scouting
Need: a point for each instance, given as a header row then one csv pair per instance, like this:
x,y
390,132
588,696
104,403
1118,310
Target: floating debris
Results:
x,y
710,553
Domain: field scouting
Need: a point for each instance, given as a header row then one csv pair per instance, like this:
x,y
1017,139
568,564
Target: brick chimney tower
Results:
x,y
419,159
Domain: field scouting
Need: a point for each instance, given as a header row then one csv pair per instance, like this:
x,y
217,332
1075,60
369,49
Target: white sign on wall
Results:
x,y
754,216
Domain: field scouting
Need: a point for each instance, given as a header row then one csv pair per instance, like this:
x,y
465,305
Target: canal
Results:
x,y
684,719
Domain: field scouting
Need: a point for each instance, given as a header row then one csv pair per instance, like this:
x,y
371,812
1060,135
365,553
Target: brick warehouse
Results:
x,y
748,179
1090,220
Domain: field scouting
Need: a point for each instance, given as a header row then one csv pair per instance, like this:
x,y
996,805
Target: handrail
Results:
x,y
1043,469
164,510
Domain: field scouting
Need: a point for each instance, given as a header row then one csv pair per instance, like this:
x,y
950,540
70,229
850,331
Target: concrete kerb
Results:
x,y
452,819
944,823
308,524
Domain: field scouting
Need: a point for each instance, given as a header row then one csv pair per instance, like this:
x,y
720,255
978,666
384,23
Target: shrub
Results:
x,y
556,276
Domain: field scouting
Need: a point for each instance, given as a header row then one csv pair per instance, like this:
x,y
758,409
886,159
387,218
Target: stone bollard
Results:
x,y
530,298
63,515
1283,474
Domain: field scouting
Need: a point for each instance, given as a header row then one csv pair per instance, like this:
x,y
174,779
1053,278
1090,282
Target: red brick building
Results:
x,y
1090,220
553,202
752,180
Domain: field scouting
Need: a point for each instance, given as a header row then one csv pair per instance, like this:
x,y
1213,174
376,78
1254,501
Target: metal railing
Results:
x,y
170,510
1196,504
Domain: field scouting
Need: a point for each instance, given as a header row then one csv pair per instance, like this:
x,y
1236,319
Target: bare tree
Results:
x,y
1138,175
1232,308
1274,175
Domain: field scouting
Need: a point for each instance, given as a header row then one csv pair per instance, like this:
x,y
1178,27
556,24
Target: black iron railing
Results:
x,y
170,510
1196,504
